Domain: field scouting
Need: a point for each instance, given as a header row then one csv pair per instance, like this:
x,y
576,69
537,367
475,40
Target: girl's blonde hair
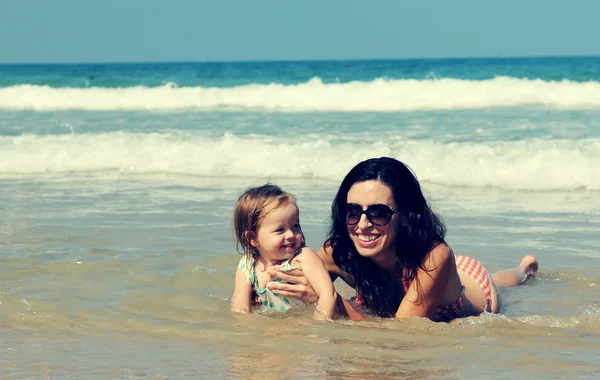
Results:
x,y
251,209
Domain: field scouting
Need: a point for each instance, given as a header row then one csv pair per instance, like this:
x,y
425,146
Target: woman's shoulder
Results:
x,y
440,254
441,246
325,253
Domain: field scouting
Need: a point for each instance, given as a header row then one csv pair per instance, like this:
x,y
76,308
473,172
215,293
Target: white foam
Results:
x,y
314,95
530,164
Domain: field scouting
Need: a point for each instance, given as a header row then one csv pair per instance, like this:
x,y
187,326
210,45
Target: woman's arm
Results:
x,y
318,277
242,293
427,288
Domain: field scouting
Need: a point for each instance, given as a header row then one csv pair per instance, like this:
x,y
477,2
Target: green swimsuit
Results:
x,y
269,299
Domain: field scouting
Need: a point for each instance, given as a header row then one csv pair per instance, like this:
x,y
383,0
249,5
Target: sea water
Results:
x,y
117,184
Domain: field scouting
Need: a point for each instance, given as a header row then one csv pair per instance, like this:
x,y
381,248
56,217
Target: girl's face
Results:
x,y
374,242
279,234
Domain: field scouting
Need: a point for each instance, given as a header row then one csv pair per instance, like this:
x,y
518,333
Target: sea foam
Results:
x,y
535,164
377,95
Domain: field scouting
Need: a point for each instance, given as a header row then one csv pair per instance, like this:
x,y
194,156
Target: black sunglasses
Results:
x,y
378,215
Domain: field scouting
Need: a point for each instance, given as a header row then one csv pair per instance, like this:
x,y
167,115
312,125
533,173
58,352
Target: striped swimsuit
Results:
x,y
446,313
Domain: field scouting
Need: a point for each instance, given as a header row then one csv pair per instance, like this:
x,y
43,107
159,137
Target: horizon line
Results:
x,y
495,57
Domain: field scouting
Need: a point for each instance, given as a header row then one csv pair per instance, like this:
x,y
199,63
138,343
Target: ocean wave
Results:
x,y
535,164
380,95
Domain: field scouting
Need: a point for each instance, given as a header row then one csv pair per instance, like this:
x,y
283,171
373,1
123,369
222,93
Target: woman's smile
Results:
x,y
369,239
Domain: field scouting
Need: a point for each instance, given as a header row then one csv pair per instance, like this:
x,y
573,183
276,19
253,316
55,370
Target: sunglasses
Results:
x,y
378,215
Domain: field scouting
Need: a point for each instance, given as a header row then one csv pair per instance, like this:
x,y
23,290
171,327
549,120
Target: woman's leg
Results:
x,y
516,276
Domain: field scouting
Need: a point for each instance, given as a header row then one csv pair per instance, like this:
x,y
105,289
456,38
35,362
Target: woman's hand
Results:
x,y
293,284
256,301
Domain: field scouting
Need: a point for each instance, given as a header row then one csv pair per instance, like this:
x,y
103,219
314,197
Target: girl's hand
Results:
x,y
293,284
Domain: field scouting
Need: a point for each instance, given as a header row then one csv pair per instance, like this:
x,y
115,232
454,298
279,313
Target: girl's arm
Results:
x,y
343,307
241,300
295,285
319,279
325,254
427,288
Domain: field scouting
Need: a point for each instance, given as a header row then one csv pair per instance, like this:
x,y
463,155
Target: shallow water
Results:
x,y
130,277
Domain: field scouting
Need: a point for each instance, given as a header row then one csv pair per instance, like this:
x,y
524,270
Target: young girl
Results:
x,y
267,228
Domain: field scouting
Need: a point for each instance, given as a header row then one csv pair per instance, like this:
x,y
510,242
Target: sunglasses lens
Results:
x,y
379,215
353,213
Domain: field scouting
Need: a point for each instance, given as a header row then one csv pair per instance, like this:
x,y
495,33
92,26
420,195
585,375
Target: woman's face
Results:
x,y
374,242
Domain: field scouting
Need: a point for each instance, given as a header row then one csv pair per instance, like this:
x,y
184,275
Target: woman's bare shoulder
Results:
x,y
440,255
326,255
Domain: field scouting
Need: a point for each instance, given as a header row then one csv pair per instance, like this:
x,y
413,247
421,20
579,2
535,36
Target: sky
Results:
x,y
60,31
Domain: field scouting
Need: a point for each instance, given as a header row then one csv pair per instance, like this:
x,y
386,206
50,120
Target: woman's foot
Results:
x,y
517,276
529,267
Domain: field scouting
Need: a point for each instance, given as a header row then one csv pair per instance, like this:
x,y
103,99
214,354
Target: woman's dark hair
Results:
x,y
418,231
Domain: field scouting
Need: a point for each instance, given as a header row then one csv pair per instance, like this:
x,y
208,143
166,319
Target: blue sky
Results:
x,y
223,30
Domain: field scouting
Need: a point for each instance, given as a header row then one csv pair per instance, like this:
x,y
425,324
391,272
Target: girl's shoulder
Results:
x,y
246,265
246,262
302,255
307,259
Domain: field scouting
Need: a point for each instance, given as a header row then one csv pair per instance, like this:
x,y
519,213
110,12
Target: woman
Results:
x,y
387,243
